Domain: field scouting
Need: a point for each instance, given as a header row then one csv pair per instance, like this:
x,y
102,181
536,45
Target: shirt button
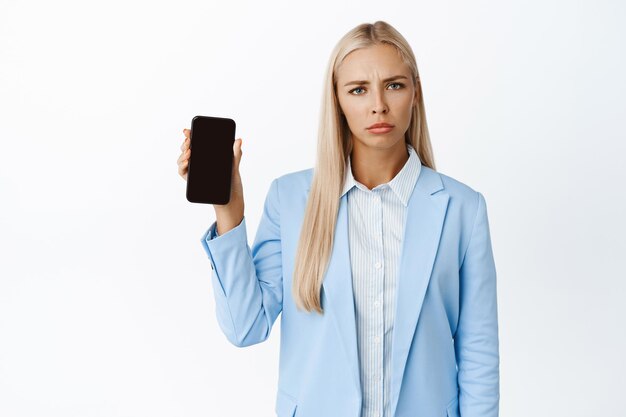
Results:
x,y
378,265
376,339
376,303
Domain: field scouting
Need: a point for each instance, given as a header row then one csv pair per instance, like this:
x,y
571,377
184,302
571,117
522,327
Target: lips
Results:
x,y
379,125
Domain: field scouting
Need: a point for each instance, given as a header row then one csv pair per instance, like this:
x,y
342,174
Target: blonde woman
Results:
x,y
381,266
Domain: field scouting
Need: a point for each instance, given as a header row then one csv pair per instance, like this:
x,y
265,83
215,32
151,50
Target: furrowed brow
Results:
x,y
359,82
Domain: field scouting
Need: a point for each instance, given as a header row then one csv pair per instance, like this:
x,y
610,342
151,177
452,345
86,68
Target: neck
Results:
x,y
374,166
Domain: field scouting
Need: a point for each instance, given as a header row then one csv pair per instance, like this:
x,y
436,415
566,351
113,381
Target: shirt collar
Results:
x,y
402,184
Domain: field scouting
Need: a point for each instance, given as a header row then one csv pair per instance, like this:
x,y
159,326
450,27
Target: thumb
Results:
x,y
237,153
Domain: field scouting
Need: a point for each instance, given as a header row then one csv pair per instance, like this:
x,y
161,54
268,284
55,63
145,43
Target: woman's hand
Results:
x,y
228,215
183,159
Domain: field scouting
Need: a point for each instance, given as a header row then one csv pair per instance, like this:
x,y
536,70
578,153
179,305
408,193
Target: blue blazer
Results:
x,y
445,359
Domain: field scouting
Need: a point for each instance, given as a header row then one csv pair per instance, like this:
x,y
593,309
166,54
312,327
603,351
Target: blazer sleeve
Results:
x,y
247,282
476,340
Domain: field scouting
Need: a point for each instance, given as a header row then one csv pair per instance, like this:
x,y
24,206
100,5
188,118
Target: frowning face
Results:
x,y
374,85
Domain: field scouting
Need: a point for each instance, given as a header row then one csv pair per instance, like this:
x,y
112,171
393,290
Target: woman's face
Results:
x,y
374,85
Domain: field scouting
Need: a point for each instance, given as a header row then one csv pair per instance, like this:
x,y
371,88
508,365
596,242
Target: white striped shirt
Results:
x,y
376,221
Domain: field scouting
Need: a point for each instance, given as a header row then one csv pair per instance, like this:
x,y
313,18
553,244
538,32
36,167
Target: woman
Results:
x,y
382,267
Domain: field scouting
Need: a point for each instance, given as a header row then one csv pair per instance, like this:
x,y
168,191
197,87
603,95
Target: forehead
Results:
x,y
374,61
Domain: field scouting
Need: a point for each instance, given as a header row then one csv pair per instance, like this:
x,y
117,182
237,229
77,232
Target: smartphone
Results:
x,y
211,161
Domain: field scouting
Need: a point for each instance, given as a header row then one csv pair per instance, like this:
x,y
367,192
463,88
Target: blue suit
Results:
x,y
445,357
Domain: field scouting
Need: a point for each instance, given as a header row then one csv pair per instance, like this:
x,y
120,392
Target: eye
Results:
x,y
400,85
358,88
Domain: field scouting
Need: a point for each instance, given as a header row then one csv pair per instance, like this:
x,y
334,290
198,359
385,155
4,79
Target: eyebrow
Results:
x,y
395,77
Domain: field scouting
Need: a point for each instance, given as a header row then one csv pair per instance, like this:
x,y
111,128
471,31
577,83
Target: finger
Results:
x,y
237,147
185,145
183,156
182,168
187,132
237,152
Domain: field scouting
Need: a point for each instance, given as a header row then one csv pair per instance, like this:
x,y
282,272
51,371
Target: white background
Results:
x,y
106,306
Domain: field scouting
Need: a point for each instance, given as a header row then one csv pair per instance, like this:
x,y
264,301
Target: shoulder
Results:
x,y
454,186
295,180
463,197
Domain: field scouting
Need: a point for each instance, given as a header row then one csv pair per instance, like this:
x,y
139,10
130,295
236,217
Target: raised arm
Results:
x,y
247,282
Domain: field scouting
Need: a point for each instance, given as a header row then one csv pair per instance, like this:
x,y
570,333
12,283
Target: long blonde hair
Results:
x,y
333,148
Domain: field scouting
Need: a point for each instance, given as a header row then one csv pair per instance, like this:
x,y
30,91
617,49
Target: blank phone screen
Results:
x,y
211,160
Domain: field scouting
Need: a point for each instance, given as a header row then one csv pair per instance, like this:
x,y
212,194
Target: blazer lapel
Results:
x,y
426,212
425,216
337,287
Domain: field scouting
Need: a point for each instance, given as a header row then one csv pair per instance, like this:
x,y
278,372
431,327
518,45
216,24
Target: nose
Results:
x,y
380,106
